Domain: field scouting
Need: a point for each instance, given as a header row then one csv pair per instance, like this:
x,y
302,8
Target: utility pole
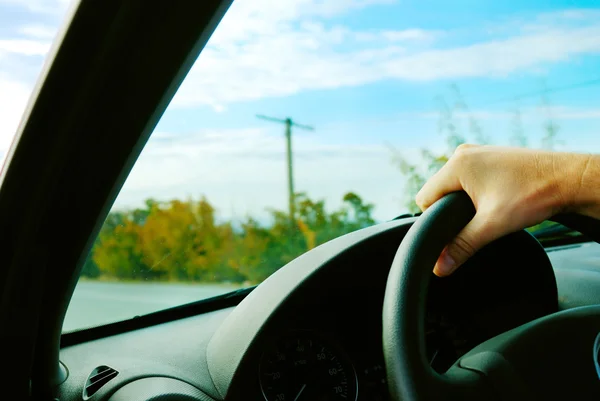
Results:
x,y
289,123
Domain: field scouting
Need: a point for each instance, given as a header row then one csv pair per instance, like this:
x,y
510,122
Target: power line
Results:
x,y
576,85
289,123
582,84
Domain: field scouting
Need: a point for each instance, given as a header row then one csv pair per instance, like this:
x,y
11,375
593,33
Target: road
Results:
x,y
95,303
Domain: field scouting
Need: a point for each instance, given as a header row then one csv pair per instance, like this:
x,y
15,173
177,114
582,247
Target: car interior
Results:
x,y
520,321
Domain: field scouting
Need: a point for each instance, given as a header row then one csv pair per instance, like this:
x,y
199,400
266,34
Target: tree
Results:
x,y
266,249
254,258
417,173
451,115
90,269
182,240
116,253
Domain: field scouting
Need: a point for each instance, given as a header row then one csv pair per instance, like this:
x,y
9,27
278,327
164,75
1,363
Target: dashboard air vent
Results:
x,y
98,378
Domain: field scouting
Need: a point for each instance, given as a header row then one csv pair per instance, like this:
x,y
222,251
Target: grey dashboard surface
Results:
x,y
577,270
175,349
178,349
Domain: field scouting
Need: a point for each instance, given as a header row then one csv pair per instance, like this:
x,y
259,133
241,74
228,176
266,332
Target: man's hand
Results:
x,y
511,188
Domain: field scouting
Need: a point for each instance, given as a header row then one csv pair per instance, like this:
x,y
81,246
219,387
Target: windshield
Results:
x,y
305,120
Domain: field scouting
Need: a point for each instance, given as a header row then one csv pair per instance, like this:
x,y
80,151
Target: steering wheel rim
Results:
x,y
409,375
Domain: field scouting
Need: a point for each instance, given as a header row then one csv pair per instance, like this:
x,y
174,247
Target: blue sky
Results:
x,y
367,74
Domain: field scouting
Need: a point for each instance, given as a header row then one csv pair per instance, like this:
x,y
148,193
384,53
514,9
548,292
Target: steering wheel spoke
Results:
x,y
554,357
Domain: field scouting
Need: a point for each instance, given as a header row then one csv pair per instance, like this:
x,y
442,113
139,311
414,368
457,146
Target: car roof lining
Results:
x,y
110,80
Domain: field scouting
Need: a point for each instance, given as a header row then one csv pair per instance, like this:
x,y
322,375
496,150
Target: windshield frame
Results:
x,y
92,83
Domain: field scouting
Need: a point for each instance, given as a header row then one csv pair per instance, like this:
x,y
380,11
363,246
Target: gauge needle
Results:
x,y
434,355
300,392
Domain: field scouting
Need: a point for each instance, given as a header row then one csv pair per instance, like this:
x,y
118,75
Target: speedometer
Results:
x,y
303,367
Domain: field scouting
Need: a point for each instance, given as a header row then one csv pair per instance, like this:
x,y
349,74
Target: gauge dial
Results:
x,y
303,367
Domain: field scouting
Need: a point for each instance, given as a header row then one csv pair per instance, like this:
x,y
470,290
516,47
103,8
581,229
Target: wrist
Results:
x,y
582,183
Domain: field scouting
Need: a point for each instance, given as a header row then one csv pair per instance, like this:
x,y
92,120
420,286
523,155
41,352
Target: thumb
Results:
x,y
472,238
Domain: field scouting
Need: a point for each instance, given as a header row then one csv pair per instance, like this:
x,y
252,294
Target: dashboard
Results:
x,y
326,352
322,340
312,331
331,348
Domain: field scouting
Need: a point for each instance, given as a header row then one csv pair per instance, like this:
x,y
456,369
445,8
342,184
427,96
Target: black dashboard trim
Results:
x,y
155,318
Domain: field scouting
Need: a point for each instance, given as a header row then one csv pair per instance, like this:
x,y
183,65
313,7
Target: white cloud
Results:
x,y
261,51
13,99
24,47
38,31
48,7
21,57
14,89
244,171
496,58
409,34
267,48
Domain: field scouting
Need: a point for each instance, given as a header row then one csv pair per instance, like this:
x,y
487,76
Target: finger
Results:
x,y
442,183
479,232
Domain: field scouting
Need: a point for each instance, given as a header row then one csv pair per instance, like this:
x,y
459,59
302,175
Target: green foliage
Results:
x,y
90,269
183,241
454,115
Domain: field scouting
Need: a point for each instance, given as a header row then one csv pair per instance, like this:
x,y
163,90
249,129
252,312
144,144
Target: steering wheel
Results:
x,y
554,357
